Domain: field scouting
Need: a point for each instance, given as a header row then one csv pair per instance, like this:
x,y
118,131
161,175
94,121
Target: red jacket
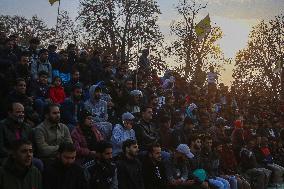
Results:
x,y
57,94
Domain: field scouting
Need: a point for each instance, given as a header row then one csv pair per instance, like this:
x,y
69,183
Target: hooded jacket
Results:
x,y
57,94
98,108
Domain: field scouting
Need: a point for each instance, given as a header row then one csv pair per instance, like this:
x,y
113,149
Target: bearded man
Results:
x,y
13,128
50,134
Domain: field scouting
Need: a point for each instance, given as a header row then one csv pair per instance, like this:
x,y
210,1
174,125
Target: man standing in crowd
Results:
x,y
63,173
102,172
50,134
154,172
129,167
17,171
144,62
33,49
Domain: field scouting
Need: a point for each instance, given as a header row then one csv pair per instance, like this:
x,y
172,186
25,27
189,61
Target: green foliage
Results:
x,y
123,27
253,73
26,28
195,56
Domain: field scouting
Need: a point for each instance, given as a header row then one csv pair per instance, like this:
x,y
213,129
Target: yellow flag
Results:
x,y
52,1
203,27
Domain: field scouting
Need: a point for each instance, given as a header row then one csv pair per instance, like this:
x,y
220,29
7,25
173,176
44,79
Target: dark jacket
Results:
x,y
39,91
101,175
129,174
270,133
8,129
53,58
96,67
7,61
12,177
14,96
145,134
181,136
247,159
210,162
154,175
57,176
69,86
18,71
263,156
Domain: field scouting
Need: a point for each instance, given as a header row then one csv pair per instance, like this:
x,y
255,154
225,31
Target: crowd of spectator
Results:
x,y
73,119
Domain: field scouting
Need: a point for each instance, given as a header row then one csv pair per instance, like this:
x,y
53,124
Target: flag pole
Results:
x,y
57,19
139,22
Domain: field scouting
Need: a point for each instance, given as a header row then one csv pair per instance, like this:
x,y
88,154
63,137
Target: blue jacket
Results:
x,y
69,113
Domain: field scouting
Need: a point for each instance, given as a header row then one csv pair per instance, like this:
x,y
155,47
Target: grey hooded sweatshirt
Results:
x,y
98,108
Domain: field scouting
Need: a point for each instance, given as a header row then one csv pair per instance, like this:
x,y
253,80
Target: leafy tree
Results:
x,y
68,31
195,55
123,27
26,28
253,73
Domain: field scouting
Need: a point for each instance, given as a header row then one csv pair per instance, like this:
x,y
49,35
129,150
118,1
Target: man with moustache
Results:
x,y
129,168
154,172
102,172
145,129
64,173
17,171
50,134
13,128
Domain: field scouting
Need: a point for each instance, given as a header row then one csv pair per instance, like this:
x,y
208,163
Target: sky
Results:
x,y
235,17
